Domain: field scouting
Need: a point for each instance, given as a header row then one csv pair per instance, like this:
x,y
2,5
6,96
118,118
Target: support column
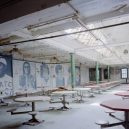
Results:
x,y
108,70
97,73
72,60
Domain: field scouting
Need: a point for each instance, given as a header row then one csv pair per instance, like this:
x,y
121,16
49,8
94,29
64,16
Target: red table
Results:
x,y
118,105
123,94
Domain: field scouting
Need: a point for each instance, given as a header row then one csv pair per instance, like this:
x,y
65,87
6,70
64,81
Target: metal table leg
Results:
x,y
33,121
126,124
64,103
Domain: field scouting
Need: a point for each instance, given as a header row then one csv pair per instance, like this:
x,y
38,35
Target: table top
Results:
x,y
116,104
64,92
30,91
2,96
32,99
93,86
123,93
82,89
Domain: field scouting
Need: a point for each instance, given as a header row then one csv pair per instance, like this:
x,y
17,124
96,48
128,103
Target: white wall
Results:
x,y
115,74
84,74
35,71
51,82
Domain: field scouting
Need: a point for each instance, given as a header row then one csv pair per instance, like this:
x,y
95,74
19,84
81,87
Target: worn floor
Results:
x,y
79,116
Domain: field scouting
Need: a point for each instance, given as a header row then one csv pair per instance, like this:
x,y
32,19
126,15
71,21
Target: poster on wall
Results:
x,y
24,75
124,73
43,74
59,70
6,86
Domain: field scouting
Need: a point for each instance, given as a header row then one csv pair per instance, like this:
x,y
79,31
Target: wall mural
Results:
x,y
43,74
59,70
30,75
24,75
6,87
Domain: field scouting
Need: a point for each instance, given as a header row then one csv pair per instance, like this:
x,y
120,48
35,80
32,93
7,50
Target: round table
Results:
x,y
63,94
2,98
2,102
81,91
123,94
118,105
94,89
32,99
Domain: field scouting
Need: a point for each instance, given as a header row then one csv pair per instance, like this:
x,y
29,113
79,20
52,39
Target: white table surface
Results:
x,y
2,96
64,92
27,92
82,89
32,99
95,86
123,93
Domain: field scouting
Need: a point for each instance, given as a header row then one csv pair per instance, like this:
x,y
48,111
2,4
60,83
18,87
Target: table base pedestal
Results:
x,y
33,122
80,100
63,108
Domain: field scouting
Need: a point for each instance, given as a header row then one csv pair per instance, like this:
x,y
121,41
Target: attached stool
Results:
x,y
109,112
102,123
33,114
32,121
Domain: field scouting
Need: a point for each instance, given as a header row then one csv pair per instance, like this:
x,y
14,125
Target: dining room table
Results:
x,y
94,89
118,105
2,101
63,94
81,91
33,112
26,93
123,94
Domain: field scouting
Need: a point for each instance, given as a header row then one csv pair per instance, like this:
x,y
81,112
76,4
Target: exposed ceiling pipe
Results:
x,y
66,34
40,61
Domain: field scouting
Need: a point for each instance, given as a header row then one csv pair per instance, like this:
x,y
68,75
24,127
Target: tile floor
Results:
x,y
79,116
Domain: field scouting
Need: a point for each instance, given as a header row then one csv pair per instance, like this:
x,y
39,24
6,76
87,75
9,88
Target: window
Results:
x,y
124,73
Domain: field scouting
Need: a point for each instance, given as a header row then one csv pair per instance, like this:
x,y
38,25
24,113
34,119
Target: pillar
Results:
x,y
72,62
97,73
108,70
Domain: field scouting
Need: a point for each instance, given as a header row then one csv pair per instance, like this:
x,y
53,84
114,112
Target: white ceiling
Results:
x,y
108,46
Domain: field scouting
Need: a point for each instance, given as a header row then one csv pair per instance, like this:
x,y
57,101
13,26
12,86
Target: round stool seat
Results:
x,y
109,111
102,122
33,113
